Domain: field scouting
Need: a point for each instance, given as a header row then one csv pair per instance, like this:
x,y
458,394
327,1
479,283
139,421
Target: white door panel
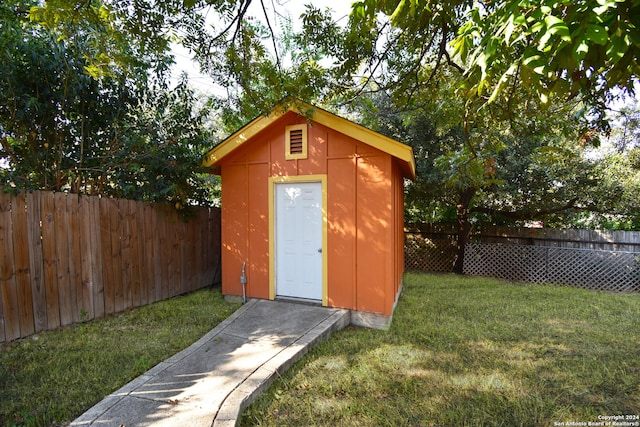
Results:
x,y
298,224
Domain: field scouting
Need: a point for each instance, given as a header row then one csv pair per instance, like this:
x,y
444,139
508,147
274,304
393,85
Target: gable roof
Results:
x,y
400,151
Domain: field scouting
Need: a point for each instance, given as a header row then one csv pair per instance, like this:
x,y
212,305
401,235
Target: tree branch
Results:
x,y
273,36
242,10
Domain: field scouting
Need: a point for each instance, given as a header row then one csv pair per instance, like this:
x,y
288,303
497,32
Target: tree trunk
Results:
x,y
462,212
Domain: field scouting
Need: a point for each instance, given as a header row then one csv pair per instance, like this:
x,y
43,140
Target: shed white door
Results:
x,y
298,240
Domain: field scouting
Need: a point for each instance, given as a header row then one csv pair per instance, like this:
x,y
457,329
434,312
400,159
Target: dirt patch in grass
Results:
x,y
470,351
53,377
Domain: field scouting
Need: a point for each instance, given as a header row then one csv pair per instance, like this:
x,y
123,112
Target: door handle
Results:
x,y
320,250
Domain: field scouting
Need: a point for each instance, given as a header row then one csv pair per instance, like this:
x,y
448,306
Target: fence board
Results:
x,y
97,270
165,253
125,245
216,225
107,271
50,260
85,297
192,251
203,226
36,261
8,285
147,244
117,235
21,257
75,258
157,255
135,257
173,273
63,261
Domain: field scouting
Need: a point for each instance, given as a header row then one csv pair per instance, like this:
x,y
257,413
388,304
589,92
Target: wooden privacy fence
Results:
x,y
604,260
67,258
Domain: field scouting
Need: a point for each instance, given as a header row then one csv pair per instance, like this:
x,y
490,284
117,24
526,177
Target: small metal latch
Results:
x,y
320,250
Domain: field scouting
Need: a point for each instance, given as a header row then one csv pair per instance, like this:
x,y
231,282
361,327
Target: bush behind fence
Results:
x,y
67,258
608,260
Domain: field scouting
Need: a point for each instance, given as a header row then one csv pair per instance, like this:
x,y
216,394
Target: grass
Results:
x,y
468,351
53,377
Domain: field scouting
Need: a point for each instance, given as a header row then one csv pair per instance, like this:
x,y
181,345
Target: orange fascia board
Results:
x,y
401,151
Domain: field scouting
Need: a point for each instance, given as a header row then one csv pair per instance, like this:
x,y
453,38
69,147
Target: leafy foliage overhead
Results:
x,y
556,48
121,133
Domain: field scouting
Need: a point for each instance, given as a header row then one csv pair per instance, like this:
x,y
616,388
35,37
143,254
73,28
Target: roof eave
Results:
x,y
402,152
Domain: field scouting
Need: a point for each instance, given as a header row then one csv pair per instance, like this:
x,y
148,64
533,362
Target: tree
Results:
x,y
555,49
118,134
528,169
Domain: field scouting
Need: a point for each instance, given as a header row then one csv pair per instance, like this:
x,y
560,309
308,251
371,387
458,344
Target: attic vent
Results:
x,y
296,142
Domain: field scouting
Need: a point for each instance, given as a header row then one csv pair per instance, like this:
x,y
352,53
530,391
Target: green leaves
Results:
x,y
562,49
596,34
108,133
556,26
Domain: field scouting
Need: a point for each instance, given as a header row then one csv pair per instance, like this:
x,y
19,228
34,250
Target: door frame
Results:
x,y
273,181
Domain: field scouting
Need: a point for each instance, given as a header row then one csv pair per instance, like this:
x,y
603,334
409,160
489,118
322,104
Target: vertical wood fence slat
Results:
x,y
36,261
116,255
147,245
170,255
8,285
192,249
180,257
50,260
62,252
165,253
197,244
21,256
97,267
75,258
202,226
135,256
158,243
215,252
125,244
107,270
86,297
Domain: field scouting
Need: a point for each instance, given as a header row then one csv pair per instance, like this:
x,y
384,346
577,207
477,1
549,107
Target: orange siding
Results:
x,y
341,232
258,254
234,226
365,214
373,213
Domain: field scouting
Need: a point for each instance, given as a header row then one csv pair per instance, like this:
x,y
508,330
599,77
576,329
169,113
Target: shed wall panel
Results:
x,y
234,226
258,253
374,224
341,243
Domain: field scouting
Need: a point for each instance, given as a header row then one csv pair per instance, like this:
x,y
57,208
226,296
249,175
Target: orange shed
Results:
x,y
314,205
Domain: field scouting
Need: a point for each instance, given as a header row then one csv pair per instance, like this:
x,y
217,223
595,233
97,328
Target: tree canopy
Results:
x,y
62,127
557,49
481,90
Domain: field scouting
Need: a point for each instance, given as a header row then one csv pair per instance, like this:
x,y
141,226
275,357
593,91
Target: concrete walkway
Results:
x,y
213,380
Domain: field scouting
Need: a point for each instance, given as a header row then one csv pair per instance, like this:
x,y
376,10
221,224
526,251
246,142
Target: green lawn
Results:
x,y
53,377
470,351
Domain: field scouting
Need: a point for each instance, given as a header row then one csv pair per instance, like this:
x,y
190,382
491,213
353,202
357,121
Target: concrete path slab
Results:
x,y
213,380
